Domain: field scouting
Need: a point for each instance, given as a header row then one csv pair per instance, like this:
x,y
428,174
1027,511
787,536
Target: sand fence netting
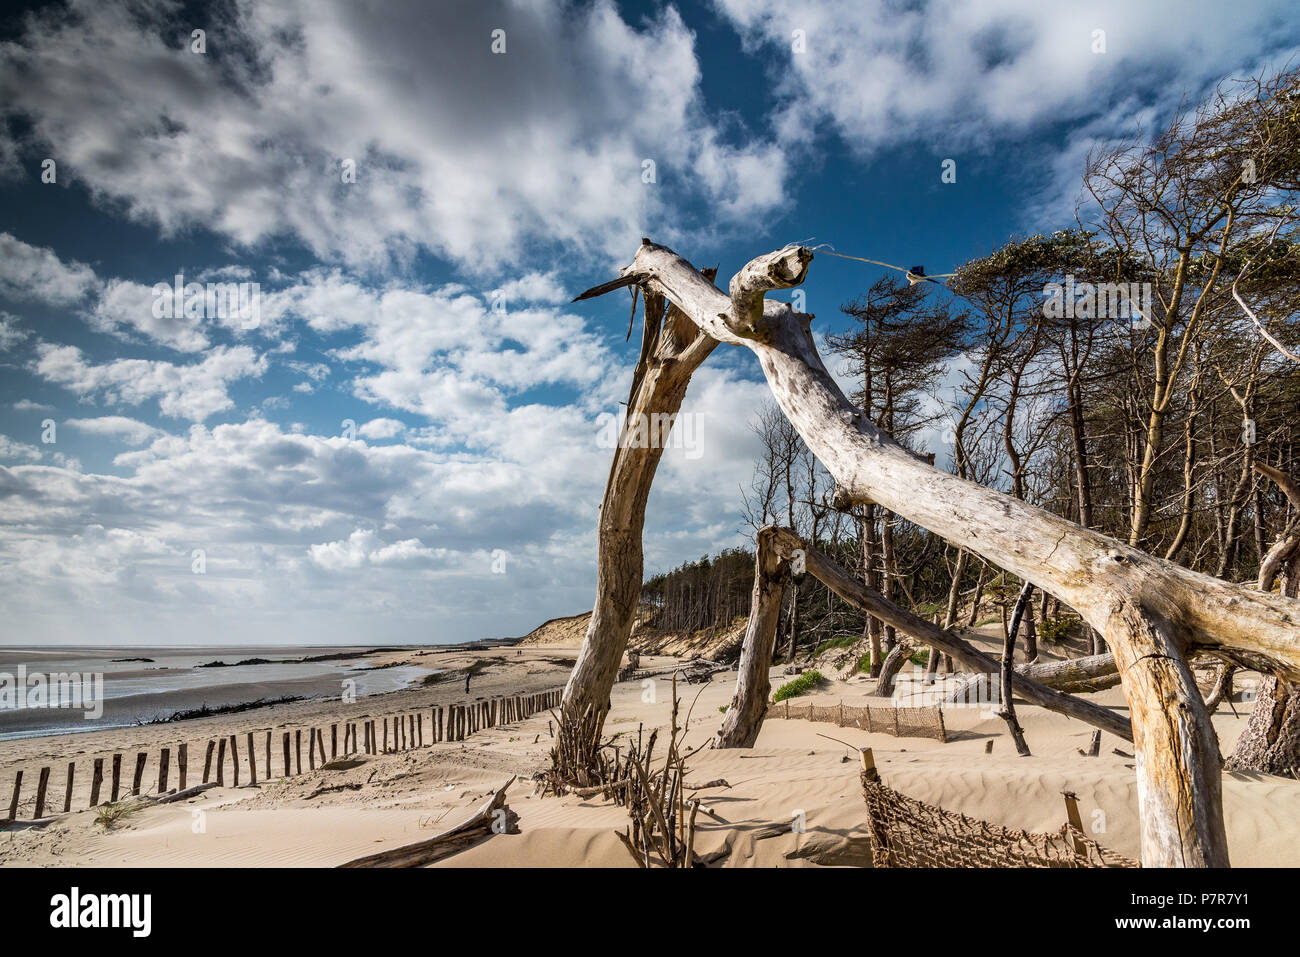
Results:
x,y
906,832
900,722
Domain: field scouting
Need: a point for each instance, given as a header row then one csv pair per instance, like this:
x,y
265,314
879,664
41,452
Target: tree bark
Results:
x,y
671,350
1271,741
744,719
1008,712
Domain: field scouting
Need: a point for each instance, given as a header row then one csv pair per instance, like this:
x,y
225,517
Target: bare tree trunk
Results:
x,y
1222,688
1151,611
671,350
1179,767
744,719
1271,740
894,661
1008,712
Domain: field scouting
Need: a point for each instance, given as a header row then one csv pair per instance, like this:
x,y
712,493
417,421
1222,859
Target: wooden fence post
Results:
x,y
182,762
334,742
41,784
221,762
164,760
96,780
252,761
268,754
117,778
18,786
297,750
288,771
140,758
311,749
67,795
1076,822
234,761
207,761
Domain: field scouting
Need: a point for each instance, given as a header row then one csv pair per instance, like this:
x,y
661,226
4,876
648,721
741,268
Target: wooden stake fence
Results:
x,y
447,723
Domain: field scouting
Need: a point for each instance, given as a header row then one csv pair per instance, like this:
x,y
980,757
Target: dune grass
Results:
x,y
801,685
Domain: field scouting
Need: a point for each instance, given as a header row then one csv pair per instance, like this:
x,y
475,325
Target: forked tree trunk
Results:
x,y
744,719
1151,611
672,348
894,661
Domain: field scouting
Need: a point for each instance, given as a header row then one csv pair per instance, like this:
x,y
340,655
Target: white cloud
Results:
x,y
129,306
131,431
956,74
195,391
10,334
381,429
27,405
12,449
469,154
36,274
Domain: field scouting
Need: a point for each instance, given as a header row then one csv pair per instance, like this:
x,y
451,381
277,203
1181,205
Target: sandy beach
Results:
x,y
795,773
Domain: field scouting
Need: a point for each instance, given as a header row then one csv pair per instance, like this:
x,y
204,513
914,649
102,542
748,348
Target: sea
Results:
x,y
143,684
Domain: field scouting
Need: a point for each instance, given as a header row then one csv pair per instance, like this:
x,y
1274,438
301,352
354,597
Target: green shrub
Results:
x,y
801,685
1053,630
864,663
921,657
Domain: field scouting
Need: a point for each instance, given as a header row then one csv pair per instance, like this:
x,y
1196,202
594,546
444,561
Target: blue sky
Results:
x,y
202,485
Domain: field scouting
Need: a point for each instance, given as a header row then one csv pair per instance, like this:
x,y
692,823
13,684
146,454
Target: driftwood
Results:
x,y
184,793
480,824
671,350
1150,611
744,718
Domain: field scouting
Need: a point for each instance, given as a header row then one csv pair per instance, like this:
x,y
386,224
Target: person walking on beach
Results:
x,y
467,682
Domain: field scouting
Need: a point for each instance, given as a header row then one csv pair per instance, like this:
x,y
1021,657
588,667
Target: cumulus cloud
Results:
x,y
547,141
195,391
33,273
12,449
956,74
10,333
381,429
131,431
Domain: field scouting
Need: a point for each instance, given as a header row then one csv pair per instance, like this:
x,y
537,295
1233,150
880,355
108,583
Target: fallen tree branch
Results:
x,y
465,834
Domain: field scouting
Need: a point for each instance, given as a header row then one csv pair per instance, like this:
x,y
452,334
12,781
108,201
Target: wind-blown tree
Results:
x,y
899,344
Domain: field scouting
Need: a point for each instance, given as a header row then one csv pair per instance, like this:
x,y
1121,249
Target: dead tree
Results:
x,y
672,348
1151,611
744,718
